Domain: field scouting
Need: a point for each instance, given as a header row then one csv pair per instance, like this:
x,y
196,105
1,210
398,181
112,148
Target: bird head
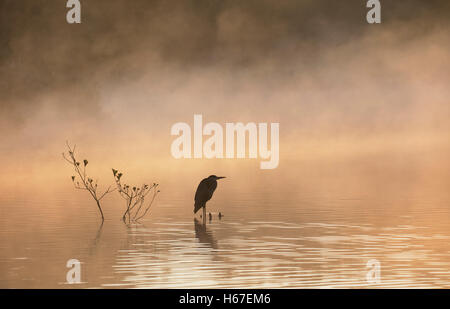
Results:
x,y
216,177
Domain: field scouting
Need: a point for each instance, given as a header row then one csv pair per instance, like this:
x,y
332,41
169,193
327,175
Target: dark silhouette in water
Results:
x,y
82,181
203,235
204,193
134,198
210,217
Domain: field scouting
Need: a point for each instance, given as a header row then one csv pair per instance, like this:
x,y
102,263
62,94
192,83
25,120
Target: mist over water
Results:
x,y
297,229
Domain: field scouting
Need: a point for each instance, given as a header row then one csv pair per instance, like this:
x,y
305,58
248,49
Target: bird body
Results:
x,y
205,192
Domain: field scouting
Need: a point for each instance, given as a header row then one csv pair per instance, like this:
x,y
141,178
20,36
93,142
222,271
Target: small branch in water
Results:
x,y
134,198
82,181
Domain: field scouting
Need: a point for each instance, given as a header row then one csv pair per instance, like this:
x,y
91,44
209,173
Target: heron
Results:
x,y
204,193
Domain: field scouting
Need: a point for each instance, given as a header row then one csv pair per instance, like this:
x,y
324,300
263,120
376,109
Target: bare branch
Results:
x,y
134,197
87,183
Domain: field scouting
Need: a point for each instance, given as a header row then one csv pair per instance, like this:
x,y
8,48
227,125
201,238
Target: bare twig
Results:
x,y
134,198
82,181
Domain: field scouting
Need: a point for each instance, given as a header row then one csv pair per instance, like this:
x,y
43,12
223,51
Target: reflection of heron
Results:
x,y
203,235
204,193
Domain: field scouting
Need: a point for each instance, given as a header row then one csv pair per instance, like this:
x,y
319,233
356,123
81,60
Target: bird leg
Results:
x,y
204,215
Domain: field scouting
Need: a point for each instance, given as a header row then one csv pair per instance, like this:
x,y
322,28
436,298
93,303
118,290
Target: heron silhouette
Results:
x,y
204,193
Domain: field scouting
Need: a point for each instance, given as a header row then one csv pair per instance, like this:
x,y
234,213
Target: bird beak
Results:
x,y
220,177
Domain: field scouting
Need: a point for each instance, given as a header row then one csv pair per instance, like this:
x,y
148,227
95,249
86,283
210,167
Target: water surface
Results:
x,y
268,242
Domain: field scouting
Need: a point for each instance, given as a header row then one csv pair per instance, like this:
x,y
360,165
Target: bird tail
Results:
x,y
197,206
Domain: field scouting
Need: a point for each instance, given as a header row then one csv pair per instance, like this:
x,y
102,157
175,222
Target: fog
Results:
x,y
364,103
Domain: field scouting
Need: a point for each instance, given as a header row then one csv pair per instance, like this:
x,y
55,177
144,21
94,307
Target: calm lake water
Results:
x,y
276,241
